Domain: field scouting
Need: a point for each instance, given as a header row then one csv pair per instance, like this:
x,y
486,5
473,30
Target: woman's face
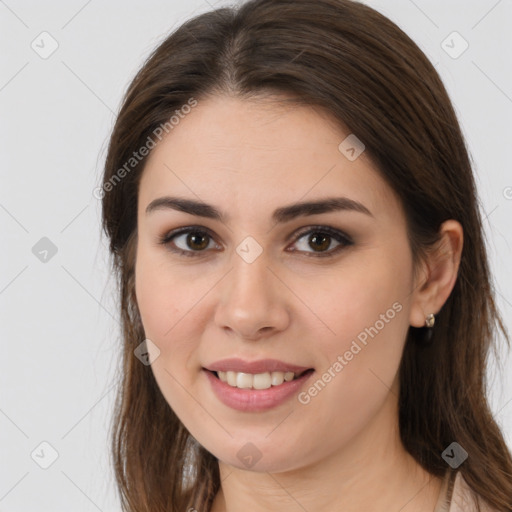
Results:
x,y
326,291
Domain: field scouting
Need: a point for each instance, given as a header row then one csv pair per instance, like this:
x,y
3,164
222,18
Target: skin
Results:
x,y
340,451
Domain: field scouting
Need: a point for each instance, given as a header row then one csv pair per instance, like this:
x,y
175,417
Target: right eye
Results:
x,y
190,241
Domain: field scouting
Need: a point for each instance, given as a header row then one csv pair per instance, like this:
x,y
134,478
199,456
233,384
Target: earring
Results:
x,y
430,320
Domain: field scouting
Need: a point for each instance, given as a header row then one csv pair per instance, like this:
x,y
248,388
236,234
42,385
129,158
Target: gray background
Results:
x,y
59,322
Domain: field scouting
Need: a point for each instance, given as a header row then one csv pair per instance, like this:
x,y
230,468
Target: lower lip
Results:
x,y
255,400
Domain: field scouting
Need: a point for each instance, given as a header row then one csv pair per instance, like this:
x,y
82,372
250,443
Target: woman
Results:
x,y
304,285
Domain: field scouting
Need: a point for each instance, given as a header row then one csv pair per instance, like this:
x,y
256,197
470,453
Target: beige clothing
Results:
x,y
456,496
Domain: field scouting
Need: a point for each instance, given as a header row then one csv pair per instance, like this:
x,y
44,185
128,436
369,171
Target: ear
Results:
x,y
438,273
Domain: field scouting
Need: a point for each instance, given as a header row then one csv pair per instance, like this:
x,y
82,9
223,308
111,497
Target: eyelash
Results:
x,y
339,236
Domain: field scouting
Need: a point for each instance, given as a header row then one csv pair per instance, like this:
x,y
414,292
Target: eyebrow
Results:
x,y
280,215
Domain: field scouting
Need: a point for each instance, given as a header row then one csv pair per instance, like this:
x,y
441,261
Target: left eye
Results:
x,y
320,238
195,241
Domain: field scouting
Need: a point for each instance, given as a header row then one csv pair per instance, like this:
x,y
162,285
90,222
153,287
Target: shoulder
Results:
x,y
463,498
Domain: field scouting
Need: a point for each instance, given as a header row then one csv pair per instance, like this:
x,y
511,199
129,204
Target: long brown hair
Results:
x,y
346,58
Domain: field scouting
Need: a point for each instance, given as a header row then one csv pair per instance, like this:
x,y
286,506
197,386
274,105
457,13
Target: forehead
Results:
x,y
249,154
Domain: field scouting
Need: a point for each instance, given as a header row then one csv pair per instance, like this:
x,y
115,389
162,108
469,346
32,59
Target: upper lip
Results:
x,y
259,366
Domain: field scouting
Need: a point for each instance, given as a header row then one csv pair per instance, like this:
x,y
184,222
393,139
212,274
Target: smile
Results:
x,y
256,381
255,386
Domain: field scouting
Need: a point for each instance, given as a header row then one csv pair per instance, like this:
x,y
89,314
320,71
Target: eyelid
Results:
x,y
340,236
168,237
321,228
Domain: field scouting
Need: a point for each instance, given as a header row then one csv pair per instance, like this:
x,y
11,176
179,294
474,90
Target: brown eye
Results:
x,y
197,240
188,241
318,241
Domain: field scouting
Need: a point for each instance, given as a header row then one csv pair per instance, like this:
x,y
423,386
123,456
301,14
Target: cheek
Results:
x,y
155,300
366,299
366,310
171,305
166,308
162,295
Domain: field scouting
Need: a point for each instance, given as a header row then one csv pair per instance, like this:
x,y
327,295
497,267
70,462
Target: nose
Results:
x,y
252,301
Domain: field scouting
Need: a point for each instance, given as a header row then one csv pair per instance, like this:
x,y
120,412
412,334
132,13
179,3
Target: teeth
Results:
x,y
255,381
243,380
229,377
277,378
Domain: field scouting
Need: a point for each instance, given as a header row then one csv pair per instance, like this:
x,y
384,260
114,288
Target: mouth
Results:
x,y
258,391
258,381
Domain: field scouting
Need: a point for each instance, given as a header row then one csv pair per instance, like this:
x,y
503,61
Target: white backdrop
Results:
x,y
63,69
